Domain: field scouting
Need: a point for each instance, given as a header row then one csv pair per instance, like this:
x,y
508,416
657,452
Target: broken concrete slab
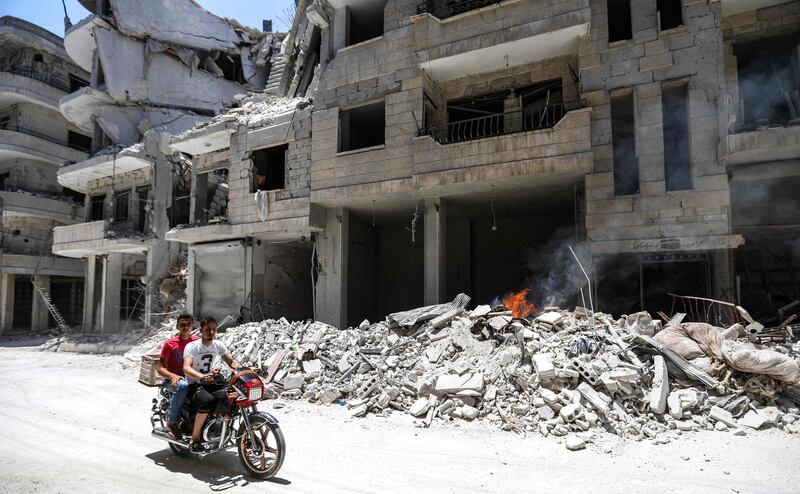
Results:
x,y
574,443
753,420
722,415
544,365
293,381
312,366
660,389
453,383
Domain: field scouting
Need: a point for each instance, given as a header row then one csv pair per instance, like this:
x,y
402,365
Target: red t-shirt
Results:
x,y
172,350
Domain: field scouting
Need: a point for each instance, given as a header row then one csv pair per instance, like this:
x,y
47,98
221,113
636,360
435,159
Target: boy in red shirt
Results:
x,y
171,370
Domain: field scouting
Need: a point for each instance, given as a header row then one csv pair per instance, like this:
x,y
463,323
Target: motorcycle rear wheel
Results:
x,y
263,459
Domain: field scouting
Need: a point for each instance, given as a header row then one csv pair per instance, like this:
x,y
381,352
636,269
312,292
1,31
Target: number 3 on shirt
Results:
x,y
205,365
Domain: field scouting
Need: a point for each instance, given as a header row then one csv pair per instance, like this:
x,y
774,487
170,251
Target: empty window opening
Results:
x,y
121,206
362,127
474,118
542,104
623,142
97,208
677,150
142,199
768,82
76,83
269,168
79,141
4,180
670,14
619,20
365,21
131,299
211,197
230,67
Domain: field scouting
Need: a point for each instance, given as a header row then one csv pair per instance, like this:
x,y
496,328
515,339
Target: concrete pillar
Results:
x,y
110,300
341,24
723,276
190,281
435,260
40,314
90,274
332,252
6,301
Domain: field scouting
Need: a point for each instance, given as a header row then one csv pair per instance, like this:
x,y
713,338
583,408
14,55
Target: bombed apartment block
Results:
x,y
158,69
35,143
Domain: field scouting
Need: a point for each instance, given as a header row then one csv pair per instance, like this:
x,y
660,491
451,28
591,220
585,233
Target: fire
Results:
x,y
518,305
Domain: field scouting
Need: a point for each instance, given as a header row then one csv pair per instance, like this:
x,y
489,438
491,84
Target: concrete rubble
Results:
x,y
528,376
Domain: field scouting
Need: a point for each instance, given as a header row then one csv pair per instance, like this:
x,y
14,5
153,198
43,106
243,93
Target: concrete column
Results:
x,y
332,252
90,273
435,233
40,314
6,301
110,300
341,24
722,276
191,273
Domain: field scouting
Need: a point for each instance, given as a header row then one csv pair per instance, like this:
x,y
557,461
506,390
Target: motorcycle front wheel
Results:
x,y
263,457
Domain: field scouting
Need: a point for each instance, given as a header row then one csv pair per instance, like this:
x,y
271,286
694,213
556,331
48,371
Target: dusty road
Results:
x,y
79,423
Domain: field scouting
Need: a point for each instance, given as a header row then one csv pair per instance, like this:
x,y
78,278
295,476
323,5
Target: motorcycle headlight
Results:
x,y
255,393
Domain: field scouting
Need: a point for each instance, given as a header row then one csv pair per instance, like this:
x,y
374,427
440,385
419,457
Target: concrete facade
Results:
x,y
35,142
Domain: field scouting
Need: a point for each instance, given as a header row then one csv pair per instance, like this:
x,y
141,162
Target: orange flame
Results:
x,y
518,305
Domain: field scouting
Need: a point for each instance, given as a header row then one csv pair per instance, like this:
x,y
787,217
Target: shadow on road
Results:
x,y
12,342
219,471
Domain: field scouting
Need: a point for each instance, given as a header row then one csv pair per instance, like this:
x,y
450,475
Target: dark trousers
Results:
x,y
207,398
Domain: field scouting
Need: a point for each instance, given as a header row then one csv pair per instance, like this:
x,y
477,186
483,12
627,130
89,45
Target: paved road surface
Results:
x,y
79,423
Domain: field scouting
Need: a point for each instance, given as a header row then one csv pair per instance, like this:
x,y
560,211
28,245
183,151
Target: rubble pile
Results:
x,y
561,373
255,110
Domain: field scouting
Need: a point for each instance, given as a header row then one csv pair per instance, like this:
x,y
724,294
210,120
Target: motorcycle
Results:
x,y
236,423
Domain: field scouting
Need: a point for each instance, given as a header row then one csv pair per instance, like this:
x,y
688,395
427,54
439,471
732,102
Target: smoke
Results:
x,y
555,278
765,71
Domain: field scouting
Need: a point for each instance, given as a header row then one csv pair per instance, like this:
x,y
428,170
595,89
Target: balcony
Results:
x,y
27,143
41,205
486,36
540,152
763,145
98,237
31,73
103,165
23,85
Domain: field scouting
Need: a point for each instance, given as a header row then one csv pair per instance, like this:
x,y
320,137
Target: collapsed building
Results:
x,y
391,154
35,142
149,81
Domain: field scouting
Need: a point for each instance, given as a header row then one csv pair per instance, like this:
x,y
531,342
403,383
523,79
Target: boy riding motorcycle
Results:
x,y
171,369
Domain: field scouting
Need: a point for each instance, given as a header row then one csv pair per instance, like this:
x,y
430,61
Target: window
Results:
x,y
269,168
38,58
364,21
362,127
670,14
211,191
677,155
97,209
79,141
121,200
623,142
76,83
131,299
4,180
142,196
619,20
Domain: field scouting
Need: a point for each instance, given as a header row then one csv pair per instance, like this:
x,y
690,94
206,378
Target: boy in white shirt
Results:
x,y
197,359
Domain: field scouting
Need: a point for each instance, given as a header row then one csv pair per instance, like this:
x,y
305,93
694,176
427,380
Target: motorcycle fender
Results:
x,y
267,416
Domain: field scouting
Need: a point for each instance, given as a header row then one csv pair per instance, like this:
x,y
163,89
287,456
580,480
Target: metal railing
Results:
x,y
502,123
449,8
32,73
45,137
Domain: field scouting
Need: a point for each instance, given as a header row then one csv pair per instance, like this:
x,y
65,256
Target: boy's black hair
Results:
x,y
207,320
184,316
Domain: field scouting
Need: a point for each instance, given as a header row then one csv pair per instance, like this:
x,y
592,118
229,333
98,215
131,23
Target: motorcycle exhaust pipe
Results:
x,y
166,437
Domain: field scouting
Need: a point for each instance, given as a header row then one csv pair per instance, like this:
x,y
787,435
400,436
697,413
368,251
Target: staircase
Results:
x,y
57,317
275,74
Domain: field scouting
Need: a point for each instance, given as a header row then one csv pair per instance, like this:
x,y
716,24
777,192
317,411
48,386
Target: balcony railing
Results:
x,y
449,8
32,73
45,137
502,123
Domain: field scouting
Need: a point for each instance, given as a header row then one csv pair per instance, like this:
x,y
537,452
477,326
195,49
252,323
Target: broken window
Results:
x,y
269,168
670,14
97,208
677,155
76,83
131,299
211,196
619,20
121,202
542,104
362,127
142,198
79,141
623,141
475,118
365,21
768,81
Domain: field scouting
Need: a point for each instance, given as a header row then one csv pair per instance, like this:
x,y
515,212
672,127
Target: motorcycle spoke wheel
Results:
x,y
263,457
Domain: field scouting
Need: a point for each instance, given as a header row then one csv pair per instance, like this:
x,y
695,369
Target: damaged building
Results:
x,y
157,70
35,143
389,154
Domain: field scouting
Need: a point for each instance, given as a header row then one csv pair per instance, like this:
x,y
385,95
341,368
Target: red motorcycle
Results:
x,y
237,423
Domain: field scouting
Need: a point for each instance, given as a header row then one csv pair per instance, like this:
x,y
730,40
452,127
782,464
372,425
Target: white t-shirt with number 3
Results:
x,y
203,356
